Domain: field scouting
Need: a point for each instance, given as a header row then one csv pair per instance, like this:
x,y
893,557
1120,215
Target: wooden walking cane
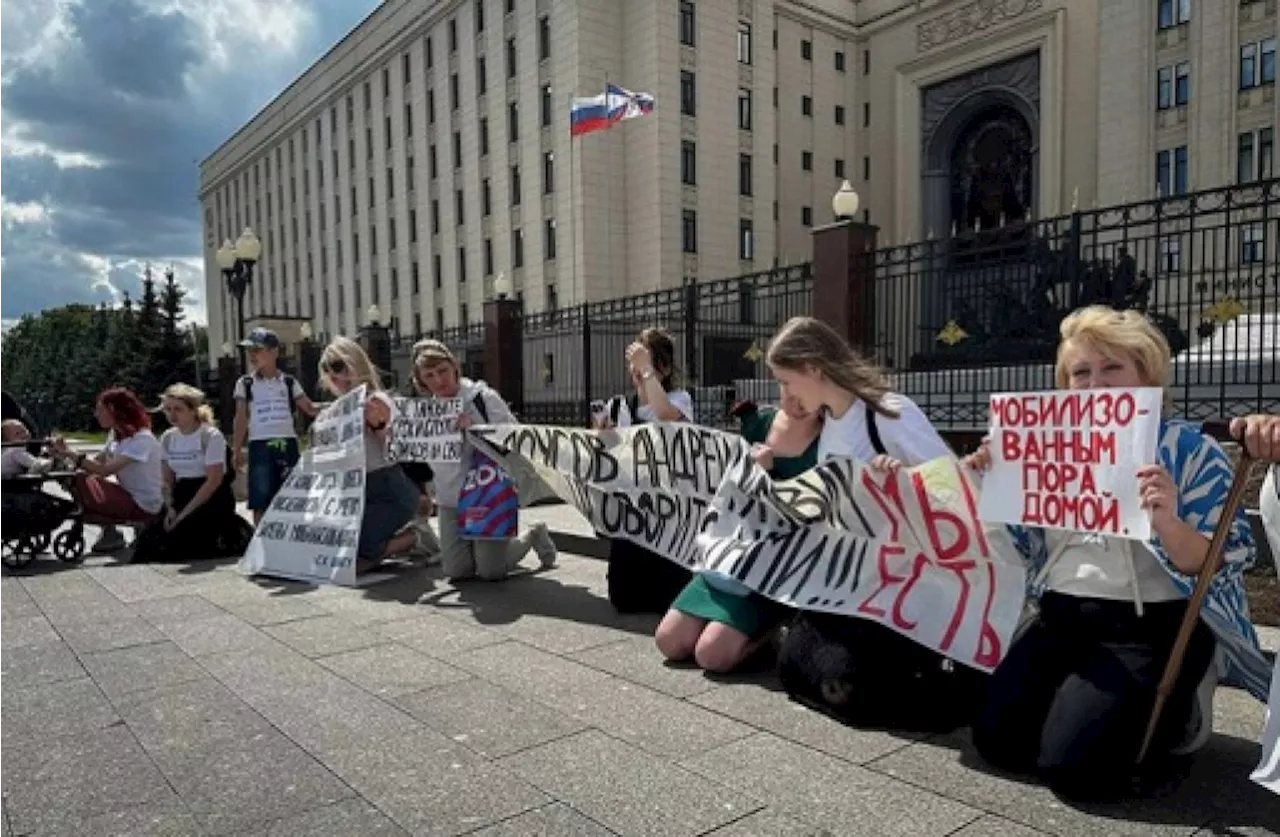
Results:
x,y
1212,561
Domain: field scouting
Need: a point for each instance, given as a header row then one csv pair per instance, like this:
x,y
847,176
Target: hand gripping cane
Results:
x,y
1212,560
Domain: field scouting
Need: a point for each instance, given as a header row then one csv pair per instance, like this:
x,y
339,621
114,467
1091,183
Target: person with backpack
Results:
x,y
200,519
640,580
853,668
267,403
437,370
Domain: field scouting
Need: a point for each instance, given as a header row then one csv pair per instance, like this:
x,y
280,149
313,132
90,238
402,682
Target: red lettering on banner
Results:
x,y
901,586
935,520
917,567
884,494
1087,409
961,569
971,504
989,650
1088,485
886,579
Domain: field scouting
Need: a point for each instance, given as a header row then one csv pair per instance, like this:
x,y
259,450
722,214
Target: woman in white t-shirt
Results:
x,y
639,580
132,456
201,506
857,669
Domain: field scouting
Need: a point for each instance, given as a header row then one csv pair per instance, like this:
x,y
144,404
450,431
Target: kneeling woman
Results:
x,y
1072,698
390,498
201,514
717,620
858,670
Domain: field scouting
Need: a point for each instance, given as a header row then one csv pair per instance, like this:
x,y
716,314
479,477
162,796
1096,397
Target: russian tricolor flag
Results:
x,y
596,113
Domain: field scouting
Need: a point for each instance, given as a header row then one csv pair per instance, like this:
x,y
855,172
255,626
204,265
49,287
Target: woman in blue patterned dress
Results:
x,y
1072,698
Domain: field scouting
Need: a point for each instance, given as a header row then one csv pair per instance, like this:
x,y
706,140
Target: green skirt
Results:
x,y
752,614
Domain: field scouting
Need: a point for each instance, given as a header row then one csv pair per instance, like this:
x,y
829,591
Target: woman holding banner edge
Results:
x,y
1072,697
717,620
390,498
858,670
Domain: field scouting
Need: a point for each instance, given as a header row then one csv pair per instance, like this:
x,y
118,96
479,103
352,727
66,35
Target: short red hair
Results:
x,y
129,414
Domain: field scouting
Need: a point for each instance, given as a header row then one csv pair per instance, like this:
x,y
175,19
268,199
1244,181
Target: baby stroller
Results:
x,y
31,515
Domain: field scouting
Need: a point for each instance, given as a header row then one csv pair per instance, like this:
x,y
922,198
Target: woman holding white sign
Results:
x,y
1072,697
857,669
436,369
390,498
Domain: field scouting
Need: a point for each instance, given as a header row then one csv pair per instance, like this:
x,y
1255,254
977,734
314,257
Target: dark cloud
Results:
x,y
143,95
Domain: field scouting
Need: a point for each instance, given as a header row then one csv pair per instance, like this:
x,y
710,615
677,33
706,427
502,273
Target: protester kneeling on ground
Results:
x,y
640,580
437,370
1072,698
132,456
200,520
390,499
717,620
858,670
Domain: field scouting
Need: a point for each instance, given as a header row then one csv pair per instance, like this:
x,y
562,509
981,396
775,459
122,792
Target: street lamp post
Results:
x,y
236,261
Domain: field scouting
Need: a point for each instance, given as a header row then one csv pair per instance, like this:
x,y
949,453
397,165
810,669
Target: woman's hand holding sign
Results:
x,y
464,421
1158,494
763,455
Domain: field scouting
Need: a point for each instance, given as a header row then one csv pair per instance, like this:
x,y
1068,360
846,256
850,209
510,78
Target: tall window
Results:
x,y
517,248
839,114
746,240
806,160
462,264
687,23
689,231
486,198
479,15
1266,151
515,186
744,42
1245,171
484,137
1171,171
839,59
1258,63
1253,243
744,175
1254,152
688,93
1182,83
544,38
546,106
482,76
688,163
511,57
488,257
1173,12
548,172
806,50
744,109
453,35
549,239
513,122
806,106
1171,254
454,92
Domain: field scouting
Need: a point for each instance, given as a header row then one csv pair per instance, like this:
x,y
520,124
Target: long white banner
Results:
x,y
312,528
906,549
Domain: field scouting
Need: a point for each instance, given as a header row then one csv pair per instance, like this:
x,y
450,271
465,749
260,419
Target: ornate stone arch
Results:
x,y
953,109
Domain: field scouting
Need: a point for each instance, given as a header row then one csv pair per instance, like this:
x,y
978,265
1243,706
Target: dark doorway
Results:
x,y
991,170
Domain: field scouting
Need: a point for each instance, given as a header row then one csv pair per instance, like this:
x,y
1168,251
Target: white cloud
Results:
x,y
23,213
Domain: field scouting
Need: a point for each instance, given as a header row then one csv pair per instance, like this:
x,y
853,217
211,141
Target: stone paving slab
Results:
x,y
178,700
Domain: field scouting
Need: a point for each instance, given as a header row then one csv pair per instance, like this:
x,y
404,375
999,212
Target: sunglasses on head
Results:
x,y
334,367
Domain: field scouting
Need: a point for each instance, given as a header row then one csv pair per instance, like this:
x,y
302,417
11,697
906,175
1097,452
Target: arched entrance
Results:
x,y
990,173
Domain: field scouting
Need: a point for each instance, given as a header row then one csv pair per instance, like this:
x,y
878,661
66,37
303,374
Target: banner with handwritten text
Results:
x,y
426,430
311,530
905,549
1069,459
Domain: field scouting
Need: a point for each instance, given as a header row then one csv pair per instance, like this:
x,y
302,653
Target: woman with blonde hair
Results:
x,y
436,372
1072,697
390,499
858,670
200,518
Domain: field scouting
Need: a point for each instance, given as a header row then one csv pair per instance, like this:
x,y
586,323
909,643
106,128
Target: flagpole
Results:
x,y
608,224
573,206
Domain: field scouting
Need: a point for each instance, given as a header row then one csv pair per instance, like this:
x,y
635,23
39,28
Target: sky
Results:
x,y
107,108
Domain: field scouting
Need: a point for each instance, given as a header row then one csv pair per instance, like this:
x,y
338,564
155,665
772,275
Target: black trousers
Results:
x,y
868,675
1072,698
641,581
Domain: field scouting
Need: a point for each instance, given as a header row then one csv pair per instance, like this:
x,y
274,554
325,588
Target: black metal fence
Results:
x,y
961,317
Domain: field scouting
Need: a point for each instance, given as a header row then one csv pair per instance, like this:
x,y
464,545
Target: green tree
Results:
x,y
174,355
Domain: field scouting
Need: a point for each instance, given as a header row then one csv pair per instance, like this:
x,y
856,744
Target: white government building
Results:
x,y
428,152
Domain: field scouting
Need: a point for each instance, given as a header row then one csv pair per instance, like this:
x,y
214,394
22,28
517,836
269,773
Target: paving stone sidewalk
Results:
x,y
176,700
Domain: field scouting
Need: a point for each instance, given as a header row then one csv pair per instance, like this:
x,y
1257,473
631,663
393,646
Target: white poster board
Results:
x,y
1268,772
1068,459
906,550
426,430
311,530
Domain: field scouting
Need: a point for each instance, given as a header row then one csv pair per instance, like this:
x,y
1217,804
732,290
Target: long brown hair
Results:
x,y
805,343
662,351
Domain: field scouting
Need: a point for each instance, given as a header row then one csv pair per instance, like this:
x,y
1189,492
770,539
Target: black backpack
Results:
x,y
289,383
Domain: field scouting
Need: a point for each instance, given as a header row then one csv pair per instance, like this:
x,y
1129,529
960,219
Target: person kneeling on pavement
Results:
x,y
492,560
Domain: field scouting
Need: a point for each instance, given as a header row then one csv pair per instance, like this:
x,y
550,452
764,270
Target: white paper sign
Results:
x,y
426,430
1268,772
311,530
906,549
1069,459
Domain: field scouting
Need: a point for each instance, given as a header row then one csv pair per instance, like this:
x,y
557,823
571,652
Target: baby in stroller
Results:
x,y
31,515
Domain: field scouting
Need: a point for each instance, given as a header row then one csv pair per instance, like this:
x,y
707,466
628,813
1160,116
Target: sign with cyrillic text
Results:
x,y
426,430
1069,459
311,530
905,549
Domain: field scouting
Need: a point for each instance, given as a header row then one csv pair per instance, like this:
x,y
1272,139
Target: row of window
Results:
x,y
688,28
1255,152
689,235
1257,68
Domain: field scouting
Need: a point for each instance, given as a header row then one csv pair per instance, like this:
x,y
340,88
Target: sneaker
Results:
x,y
1200,727
427,547
545,548
111,540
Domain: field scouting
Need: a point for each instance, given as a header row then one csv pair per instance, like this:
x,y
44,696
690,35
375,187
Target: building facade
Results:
x,y
428,152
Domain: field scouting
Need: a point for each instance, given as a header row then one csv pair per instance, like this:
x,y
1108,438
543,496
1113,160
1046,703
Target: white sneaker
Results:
x,y
545,548
1200,727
